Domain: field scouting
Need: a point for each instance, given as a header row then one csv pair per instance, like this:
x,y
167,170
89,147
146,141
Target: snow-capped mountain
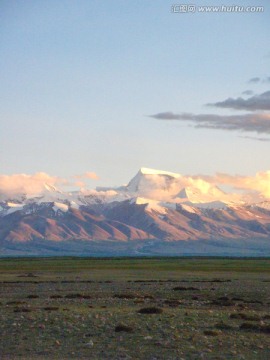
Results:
x,y
148,180
154,205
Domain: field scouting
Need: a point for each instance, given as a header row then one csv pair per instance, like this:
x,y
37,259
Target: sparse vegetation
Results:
x,y
32,297
150,310
90,308
184,288
123,328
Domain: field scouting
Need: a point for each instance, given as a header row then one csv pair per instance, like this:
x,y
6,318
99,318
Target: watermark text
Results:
x,y
187,8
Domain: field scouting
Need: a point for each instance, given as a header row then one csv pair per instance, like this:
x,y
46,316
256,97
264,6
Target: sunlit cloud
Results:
x,y
80,184
30,184
203,187
91,175
87,175
259,183
35,184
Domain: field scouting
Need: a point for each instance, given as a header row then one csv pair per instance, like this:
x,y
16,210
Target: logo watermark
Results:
x,y
187,8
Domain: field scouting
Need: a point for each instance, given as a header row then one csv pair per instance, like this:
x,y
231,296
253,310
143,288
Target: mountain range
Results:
x,y
157,212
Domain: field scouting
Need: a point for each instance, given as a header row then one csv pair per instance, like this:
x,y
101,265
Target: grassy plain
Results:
x,y
81,308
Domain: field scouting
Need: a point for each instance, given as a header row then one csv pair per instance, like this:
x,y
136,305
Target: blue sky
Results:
x,y
79,80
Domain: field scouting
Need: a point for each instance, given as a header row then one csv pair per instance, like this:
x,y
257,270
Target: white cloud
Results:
x,y
31,184
158,187
259,183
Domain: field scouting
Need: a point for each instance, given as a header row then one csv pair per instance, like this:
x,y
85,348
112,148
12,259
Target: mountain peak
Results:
x,y
147,181
148,171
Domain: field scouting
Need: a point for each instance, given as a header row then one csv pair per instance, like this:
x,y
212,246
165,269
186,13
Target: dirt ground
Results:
x,y
154,312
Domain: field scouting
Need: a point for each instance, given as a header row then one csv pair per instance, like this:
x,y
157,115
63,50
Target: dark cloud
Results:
x,y
254,80
171,116
257,80
247,92
259,123
255,138
256,102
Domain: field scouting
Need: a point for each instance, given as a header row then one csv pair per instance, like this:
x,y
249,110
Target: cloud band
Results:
x,y
259,123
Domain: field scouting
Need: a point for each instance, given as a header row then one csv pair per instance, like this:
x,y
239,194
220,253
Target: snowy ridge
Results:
x,y
159,190
263,205
151,205
59,206
154,205
147,171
